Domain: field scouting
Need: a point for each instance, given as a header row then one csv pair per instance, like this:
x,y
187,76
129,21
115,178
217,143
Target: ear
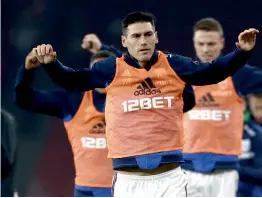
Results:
x,y
222,41
156,37
123,38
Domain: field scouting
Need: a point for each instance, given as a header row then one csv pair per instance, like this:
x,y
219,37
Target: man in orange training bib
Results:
x,y
84,120
214,127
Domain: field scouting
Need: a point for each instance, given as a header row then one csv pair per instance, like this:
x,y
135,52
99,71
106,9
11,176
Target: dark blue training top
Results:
x,y
250,169
191,72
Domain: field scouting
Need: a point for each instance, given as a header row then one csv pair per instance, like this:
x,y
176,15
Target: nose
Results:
x,y
205,48
143,41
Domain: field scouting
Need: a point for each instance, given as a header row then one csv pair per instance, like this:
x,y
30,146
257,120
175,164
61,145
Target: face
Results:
x,y
100,90
140,40
255,104
208,45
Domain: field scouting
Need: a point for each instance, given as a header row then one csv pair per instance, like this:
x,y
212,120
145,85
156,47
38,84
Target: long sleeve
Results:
x,y
248,80
86,79
112,49
189,98
250,169
251,173
35,100
198,73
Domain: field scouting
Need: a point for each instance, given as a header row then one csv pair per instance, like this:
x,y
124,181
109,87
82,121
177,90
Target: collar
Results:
x,y
133,62
254,123
98,94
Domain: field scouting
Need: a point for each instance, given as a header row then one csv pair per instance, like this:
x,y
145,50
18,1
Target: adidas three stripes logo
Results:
x,y
146,87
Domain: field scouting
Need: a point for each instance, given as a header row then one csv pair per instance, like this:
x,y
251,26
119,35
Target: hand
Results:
x,y
92,43
31,61
44,54
247,39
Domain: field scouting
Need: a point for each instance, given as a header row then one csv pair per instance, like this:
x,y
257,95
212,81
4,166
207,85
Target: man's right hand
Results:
x,y
31,61
92,43
42,54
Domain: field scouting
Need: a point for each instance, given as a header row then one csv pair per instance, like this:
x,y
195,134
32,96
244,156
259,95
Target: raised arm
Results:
x,y
93,44
34,100
75,79
198,73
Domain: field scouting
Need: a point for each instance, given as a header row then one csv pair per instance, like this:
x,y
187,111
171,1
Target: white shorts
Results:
x,y
172,183
218,184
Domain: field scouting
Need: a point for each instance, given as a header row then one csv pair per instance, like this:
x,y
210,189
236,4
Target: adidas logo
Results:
x,y
146,88
98,128
207,101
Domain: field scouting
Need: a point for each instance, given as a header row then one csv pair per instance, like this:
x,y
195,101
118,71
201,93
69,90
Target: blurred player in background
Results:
x,y
84,121
214,127
250,170
144,104
8,153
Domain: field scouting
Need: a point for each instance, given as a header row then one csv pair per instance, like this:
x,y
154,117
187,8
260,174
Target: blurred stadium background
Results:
x,y
45,166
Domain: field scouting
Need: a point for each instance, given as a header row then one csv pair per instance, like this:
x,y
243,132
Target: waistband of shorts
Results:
x,y
129,177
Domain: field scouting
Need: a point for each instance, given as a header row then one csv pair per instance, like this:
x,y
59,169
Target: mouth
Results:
x,y
143,50
207,56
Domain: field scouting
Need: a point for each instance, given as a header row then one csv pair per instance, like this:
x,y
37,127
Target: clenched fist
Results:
x,y
31,61
92,43
44,54
247,39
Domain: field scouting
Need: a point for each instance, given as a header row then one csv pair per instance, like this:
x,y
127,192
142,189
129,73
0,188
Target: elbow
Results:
x,y
209,80
19,99
189,98
188,105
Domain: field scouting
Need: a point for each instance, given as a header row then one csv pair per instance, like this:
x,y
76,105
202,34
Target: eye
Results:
x,y
211,44
135,35
149,34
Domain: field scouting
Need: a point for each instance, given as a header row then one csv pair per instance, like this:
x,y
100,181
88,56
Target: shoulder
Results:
x,y
107,65
177,59
245,71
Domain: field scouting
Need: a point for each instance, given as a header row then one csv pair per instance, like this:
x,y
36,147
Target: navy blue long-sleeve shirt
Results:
x,y
64,104
192,72
246,80
59,102
250,169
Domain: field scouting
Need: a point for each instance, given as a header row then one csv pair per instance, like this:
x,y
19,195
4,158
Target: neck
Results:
x,y
142,64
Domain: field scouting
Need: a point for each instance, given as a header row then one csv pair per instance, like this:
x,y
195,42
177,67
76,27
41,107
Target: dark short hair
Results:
x,y
136,17
208,24
101,54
